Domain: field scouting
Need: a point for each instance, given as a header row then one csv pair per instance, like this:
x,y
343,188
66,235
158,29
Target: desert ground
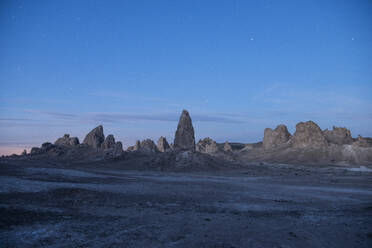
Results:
x,y
259,205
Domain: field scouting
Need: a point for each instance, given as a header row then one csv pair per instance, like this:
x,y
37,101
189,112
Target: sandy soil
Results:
x,y
259,206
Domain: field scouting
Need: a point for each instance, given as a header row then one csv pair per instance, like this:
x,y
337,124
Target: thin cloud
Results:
x,y
59,115
120,117
171,117
127,96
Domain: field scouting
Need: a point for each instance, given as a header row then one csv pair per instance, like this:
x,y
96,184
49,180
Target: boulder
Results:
x,y
95,138
184,137
162,144
308,135
276,137
207,145
109,142
67,141
338,135
227,147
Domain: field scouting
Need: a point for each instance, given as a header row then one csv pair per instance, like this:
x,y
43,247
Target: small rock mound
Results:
x,y
162,144
207,145
185,138
339,136
67,141
276,137
227,147
95,138
308,135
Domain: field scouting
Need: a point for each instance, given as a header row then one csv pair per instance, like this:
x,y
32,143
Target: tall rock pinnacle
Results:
x,y
95,137
184,138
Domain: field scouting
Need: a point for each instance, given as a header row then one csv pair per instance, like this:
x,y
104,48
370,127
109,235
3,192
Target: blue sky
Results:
x,y
237,66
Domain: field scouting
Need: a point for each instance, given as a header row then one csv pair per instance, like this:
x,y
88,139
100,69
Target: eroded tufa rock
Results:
x,y
184,138
308,135
276,137
207,145
118,149
95,138
148,145
67,141
109,142
339,135
162,144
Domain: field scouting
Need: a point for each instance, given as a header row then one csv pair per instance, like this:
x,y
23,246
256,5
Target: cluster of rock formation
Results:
x,y
308,135
184,138
95,139
308,144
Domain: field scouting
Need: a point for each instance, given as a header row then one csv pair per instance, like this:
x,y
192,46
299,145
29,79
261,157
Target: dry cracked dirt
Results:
x,y
267,205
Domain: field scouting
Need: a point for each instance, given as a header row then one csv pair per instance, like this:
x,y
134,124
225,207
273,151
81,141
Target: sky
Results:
x,y
133,66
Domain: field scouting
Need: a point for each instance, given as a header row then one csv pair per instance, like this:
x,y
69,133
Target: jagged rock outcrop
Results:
x,y
148,145
338,135
185,138
95,138
112,148
135,147
162,144
66,140
308,135
227,147
207,145
276,137
109,142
